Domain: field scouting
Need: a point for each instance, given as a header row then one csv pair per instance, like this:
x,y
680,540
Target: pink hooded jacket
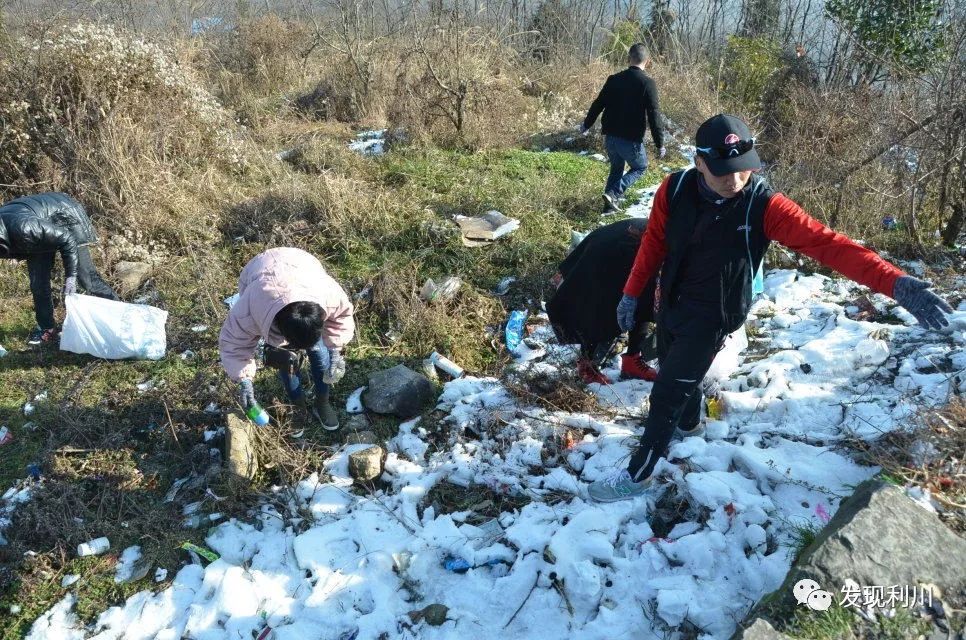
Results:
x,y
268,282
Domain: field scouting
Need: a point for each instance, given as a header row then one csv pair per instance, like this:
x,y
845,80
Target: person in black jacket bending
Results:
x,y
35,228
629,103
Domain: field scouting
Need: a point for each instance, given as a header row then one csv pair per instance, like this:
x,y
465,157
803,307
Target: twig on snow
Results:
x,y
520,608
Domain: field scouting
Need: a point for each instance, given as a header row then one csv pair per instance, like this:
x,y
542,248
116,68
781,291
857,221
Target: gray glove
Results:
x,y
246,393
336,367
626,309
928,308
70,286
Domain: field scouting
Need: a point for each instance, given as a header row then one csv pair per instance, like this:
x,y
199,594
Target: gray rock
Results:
x,y
239,445
760,629
357,422
361,437
399,391
131,275
880,537
366,465
434,614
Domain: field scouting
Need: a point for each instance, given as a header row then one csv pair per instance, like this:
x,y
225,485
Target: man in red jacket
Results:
x,y
707,235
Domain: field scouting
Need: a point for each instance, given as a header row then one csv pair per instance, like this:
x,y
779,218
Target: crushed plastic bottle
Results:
x,y
514,329
461,565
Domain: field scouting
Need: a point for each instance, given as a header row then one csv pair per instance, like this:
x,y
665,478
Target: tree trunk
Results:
x,y
955,225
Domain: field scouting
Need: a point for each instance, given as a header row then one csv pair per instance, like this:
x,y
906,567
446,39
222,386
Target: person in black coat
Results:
x,y
36,228
590,284
629,103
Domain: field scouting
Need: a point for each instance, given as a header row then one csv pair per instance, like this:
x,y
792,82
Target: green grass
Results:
x,y
834,624
891,479
802,535
840,622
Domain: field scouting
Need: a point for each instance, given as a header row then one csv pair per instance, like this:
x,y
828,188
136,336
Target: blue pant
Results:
x,y
621,151
318,364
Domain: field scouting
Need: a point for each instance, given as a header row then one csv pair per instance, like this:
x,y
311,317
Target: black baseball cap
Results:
x,y
726,145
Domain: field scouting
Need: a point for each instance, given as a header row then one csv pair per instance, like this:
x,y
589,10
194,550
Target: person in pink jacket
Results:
x,y
287,299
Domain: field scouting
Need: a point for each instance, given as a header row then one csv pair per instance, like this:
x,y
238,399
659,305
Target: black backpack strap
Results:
x,y
677,186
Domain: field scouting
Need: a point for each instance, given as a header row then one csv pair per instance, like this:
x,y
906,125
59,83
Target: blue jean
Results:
x,y
621,151
318,364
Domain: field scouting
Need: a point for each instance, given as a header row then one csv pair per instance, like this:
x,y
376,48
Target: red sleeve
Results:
x,y
787,223
651,253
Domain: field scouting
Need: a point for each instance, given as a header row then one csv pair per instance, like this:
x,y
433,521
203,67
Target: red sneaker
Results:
x,y
589,372
634,366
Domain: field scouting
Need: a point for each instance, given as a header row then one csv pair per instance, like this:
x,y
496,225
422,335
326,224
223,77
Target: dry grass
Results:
x,y
931,456
450,326
119,122
482,502
563,392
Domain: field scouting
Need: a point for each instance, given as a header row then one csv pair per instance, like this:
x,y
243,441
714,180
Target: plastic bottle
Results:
x,y
93,547
714,408
447,365
257,415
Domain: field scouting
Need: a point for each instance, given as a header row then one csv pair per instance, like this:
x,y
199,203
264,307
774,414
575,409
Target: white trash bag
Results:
x,y
112,329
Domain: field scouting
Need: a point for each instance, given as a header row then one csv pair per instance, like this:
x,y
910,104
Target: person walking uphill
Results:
x,y
629,103
36,228
287,299
708,232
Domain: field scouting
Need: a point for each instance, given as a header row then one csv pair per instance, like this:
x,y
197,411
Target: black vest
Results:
x,y
741,247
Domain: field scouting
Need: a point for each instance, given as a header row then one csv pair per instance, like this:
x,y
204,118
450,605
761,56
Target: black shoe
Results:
x,y
40,336
612,203
323,412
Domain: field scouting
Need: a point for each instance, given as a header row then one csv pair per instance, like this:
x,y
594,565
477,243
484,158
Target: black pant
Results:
x,y
40,266
688,337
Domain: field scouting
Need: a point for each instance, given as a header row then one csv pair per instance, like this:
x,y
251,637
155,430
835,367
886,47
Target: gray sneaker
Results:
x,y
617,487
696,430
612,202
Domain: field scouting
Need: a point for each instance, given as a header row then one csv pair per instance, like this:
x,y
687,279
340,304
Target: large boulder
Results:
x,y
879,537
398,391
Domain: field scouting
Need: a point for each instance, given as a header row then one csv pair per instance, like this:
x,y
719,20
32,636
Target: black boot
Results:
x,y
324,413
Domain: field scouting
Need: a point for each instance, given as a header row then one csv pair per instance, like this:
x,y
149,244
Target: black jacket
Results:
x,y
45,223
629,102
584,308
732,246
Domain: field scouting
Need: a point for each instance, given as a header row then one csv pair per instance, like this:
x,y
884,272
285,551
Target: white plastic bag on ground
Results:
x,y
112,329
